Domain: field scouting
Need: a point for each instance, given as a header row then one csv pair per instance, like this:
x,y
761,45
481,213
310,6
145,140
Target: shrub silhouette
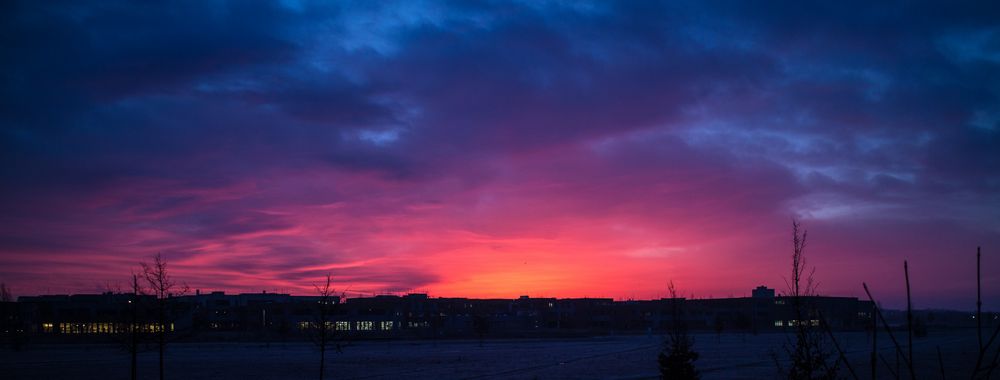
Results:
x,y
677,358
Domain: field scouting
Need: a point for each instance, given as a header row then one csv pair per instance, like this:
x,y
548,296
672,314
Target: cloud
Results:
x,y
447,145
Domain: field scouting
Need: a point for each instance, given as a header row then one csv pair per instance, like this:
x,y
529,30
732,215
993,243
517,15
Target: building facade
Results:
x,y
220,315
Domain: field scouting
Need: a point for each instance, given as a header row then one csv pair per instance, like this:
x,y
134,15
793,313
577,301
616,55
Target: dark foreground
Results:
x,y
729,356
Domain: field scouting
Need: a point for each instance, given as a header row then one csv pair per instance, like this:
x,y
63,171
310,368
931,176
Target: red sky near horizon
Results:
x,y
541,149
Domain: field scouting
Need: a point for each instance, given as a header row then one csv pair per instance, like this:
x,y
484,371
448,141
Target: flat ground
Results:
x,y
729,356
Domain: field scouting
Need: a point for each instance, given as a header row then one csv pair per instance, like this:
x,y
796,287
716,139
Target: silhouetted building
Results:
x,y
762,292
419,316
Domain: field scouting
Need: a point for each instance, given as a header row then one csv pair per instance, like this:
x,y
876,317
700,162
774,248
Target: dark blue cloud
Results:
x,y
835,109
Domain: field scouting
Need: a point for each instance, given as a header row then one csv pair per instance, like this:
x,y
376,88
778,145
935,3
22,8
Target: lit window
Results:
x,y
343,326
779,323
364,325
386,325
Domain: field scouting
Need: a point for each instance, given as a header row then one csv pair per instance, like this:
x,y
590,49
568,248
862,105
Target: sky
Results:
x,y
499,149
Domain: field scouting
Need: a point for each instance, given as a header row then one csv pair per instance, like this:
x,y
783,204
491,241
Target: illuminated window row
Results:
x,y
794,322
346,326
101,328
338,325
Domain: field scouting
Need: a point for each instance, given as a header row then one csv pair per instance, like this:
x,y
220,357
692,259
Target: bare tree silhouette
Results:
x,y
481,325
810,355
718,325
323,329
5,294
162,286
133,326
677,358
984,366
12,329
127,323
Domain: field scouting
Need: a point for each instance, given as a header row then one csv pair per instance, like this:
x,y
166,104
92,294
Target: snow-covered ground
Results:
x,y
729,356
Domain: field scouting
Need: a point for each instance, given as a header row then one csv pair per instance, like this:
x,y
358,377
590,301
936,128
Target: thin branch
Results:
x,y
889,367
885,324
874,355
983,349
941,363
836,345
5,293
994,362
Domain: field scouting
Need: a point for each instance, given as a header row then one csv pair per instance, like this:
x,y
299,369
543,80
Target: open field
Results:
x,y
730,356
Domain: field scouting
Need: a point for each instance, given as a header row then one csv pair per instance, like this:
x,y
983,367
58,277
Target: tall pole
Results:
x,y
979,300
909,321
874,357
134,326
163,332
